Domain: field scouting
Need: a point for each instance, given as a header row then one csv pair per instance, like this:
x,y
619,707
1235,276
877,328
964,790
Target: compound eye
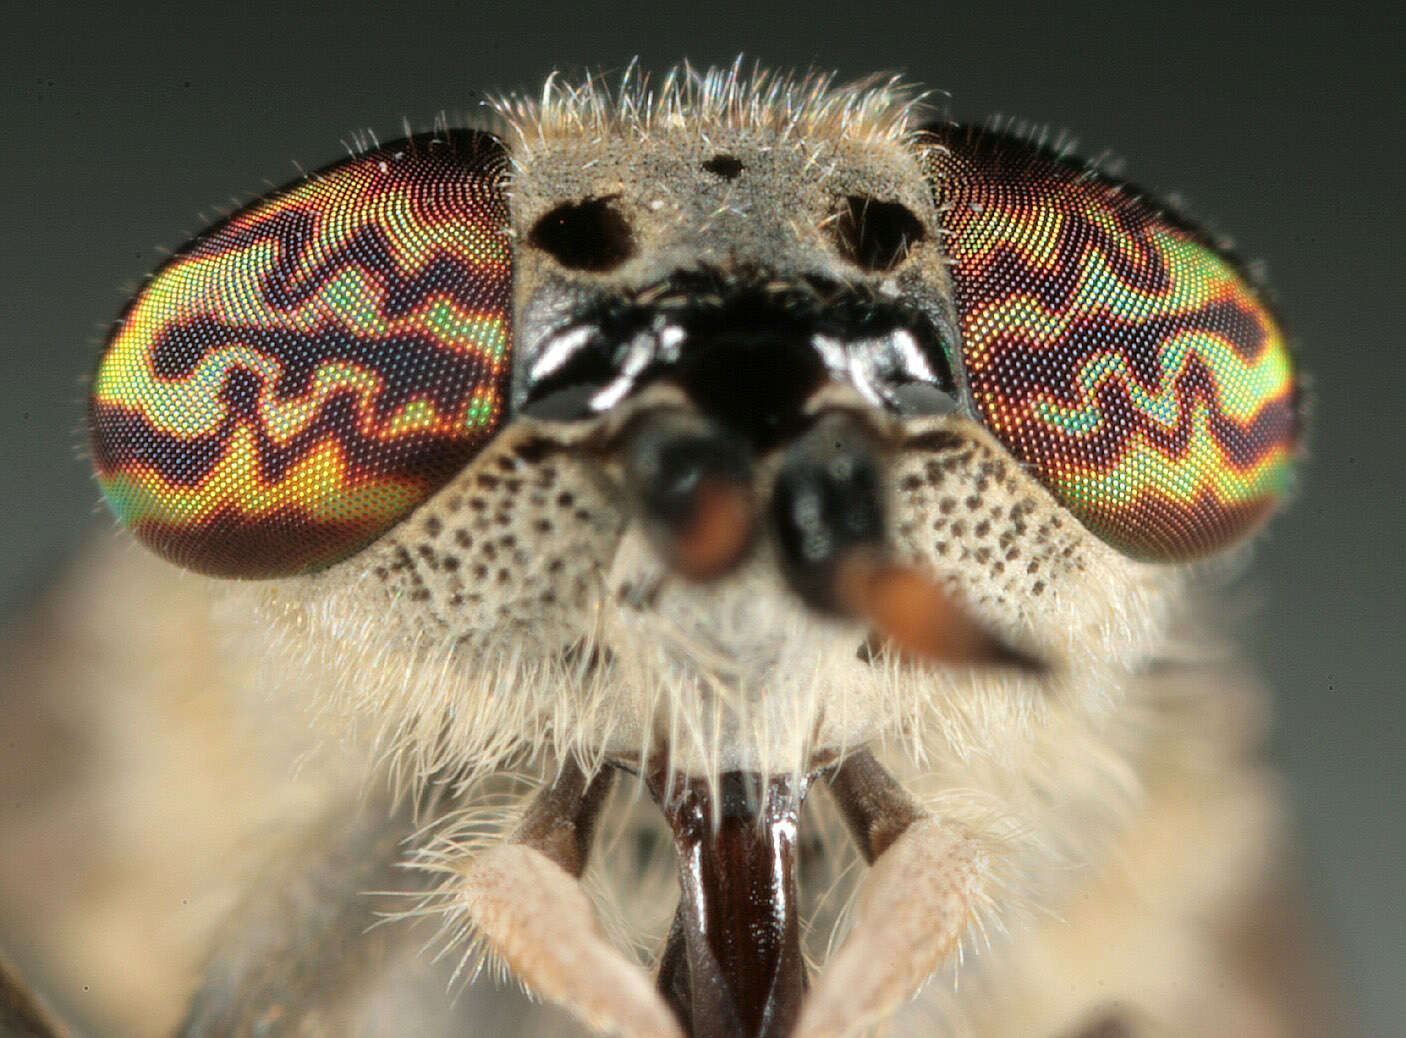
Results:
x,y
299,377
1114,350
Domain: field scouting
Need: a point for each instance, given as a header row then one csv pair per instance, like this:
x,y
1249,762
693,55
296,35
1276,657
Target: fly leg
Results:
x,y
306,935
913,909
525,900
21,1013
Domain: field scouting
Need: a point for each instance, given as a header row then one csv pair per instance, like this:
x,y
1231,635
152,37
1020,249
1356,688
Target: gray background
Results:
x,y
128,127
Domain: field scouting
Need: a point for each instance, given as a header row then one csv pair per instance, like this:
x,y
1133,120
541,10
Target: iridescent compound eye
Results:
x,y
1115,351
298,378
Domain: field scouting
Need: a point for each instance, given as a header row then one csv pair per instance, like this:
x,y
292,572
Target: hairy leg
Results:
x,y
307,935
524,899
913,908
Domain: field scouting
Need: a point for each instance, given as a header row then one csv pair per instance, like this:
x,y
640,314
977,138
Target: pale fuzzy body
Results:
x,y
1141,854
1125,833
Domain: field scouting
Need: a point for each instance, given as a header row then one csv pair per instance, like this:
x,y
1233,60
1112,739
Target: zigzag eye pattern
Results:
x,y
302,375
1113,350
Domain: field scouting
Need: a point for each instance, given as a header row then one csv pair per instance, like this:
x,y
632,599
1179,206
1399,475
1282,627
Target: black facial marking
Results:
x,y
588,235
742,344
876,235
728,167
566,392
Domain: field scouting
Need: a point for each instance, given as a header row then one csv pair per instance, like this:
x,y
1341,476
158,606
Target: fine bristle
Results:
x,y
879,108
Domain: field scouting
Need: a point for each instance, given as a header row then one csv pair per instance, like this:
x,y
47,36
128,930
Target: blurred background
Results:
x,y
131,125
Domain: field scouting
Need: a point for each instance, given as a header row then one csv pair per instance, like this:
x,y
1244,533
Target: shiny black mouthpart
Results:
x,y
749,350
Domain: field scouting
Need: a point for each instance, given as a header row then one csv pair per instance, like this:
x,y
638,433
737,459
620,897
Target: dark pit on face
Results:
x,y
588,235
728,167
875,235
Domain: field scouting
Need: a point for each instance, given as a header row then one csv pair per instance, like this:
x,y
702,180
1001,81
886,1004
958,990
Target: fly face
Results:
x,y
714,439
697,354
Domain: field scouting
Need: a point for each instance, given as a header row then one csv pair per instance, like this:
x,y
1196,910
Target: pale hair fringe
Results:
x,y
879,109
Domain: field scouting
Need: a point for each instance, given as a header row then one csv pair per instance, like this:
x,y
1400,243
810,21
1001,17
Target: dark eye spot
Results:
x,y
589,235
729,167
876,235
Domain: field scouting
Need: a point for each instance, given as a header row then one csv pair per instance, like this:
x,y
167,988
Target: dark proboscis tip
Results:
x,y
692,482
827,501
828,516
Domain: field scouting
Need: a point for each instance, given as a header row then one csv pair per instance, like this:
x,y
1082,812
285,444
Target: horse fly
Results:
x,y
739,547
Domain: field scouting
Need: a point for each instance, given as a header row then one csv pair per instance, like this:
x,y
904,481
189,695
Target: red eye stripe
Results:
x,y
302,375
1115,351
